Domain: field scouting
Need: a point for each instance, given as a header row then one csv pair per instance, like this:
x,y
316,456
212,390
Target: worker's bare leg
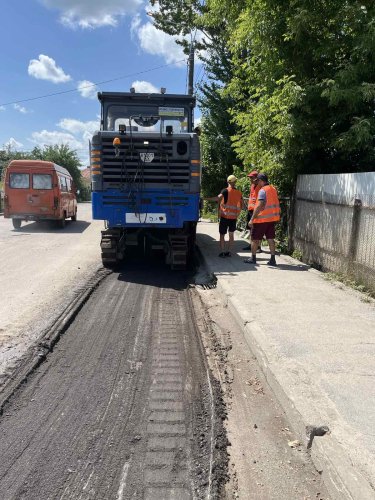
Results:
x,y
231,242
222,243
254,248
272,247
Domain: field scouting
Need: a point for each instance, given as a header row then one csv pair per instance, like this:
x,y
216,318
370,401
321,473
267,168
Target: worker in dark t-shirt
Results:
x,y
231,204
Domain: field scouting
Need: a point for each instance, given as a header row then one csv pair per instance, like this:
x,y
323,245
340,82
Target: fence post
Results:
x,y
353,243
291,219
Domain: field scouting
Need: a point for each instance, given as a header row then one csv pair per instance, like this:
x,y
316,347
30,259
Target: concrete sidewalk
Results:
x,y
315,342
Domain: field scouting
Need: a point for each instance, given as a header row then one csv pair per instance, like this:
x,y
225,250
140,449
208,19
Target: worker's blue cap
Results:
x,y
262,177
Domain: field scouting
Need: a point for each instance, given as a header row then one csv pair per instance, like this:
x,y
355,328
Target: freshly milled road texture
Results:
x,y
121,409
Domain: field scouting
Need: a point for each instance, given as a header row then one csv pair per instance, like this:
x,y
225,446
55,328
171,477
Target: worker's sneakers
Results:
x,y
272,261
251,260
225,254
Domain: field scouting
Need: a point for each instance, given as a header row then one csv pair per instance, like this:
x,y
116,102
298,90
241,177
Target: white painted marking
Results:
x,y
87,482
125,470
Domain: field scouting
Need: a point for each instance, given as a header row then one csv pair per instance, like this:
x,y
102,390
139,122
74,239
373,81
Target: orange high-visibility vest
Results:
x,y
254,190
271,212
232,208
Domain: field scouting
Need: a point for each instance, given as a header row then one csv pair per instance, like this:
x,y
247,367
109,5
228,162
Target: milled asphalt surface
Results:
x,y
315,342
122,408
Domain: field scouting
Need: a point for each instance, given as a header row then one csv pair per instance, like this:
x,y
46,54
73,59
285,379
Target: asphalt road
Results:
x,y
42,269
122,408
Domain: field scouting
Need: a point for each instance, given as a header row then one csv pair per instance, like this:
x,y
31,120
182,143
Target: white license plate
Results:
x,y
146,218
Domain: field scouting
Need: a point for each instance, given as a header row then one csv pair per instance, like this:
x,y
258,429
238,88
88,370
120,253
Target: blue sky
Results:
x,y
51,46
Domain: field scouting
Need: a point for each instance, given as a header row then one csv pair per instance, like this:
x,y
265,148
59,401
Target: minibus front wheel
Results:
x,y
16,223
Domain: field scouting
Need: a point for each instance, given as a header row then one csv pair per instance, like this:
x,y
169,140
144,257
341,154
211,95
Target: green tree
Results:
x,y
62,155
290,84
7,155
206,25
304,86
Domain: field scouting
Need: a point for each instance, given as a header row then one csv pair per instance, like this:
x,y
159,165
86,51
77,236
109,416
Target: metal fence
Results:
x,y
334,229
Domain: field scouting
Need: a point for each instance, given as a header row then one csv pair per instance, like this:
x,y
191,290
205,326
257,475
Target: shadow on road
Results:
x,y
152,271
234,265
71,227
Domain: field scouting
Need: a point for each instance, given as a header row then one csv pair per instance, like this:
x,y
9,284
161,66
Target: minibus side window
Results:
x,y
42,181
62,181
19,181
69,184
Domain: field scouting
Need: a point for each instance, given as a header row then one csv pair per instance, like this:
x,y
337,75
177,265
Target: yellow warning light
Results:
x,y
116,141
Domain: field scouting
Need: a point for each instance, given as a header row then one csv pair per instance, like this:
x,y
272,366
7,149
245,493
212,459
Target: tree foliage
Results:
x,y
291,84
304,86
208,23
64,156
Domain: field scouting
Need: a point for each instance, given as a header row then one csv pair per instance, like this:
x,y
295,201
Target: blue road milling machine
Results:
x,y
146,175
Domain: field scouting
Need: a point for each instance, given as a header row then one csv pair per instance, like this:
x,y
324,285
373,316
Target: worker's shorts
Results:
x,y
261,229
227,225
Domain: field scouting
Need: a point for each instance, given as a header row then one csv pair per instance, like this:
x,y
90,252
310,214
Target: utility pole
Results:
x,y
191,71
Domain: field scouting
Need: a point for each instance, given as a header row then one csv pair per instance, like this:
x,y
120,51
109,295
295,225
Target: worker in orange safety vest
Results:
x,y
231,204
264,218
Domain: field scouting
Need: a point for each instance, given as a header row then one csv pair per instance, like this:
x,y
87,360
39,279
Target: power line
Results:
x,y
92,84
198,74
187,77
201,79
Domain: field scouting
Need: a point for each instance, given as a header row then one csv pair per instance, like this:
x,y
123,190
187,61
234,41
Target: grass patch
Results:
x,y
210,216
297,254
368,294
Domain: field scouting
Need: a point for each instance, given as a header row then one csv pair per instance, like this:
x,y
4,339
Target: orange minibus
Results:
x,y
38,190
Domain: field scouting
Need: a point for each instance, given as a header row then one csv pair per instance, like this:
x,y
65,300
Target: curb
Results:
x,y
48,339
329,457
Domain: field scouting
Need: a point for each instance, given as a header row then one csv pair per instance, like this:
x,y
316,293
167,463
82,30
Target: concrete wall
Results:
x,y
334,223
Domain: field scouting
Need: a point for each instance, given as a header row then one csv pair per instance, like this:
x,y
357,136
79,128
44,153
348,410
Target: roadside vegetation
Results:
x,y
353,283
288,86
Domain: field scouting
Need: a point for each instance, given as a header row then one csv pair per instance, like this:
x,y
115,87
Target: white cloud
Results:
x,y
75,133
49,138
147,87
19,108
135,24
45,68
93,13
13,144
2,108
86,129
87,89
158,43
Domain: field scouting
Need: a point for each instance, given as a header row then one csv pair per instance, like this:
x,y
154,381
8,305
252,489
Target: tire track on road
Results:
x,y
114,411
